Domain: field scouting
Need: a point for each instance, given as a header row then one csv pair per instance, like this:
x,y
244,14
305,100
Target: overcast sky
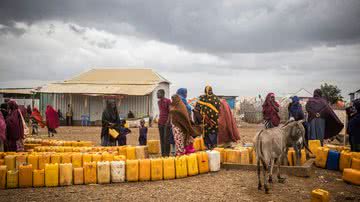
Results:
x,y
245,48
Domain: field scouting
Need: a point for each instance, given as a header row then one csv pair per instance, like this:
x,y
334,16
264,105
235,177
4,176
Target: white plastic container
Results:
x,y
117,171
214,160
103,172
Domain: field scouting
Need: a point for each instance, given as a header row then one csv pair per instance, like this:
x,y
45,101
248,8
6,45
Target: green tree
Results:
x,y
331,92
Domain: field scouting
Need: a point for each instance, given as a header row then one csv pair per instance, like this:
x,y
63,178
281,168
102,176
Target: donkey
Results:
x,y
271,146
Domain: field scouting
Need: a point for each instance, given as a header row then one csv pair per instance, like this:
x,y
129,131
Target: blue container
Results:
x,y
333,160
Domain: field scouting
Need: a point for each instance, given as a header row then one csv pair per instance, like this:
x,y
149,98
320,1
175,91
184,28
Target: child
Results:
x,y
142,133
123,132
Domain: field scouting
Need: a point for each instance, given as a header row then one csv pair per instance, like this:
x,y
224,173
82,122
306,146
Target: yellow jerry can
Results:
x,y
96,157
130,153
345,160
144,171
181,166
233,156
79,175
43,159
192,165
290,157
66,174
197,144
221,150
21,160
2,162
3,173
25,176
87,158
76,160
132,170
107,157
156,169
12,179
153,146
244,156
319,195
55,158
122,150
313,146
10,162
355,163
34,161
52,175
321,157
39,178
65,158
169,168
352,176
103,172
141,152
303,157
203,162
90,173
119,158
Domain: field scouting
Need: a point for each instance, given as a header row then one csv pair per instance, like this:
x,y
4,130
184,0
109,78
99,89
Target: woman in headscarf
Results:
x,y
295,109
228,131
36,119
181,126
354,128
270,111
182,92
2,132
322,121
14,128
110,119
209,105
52,120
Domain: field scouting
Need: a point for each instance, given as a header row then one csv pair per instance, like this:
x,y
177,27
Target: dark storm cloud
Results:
x,y
215,26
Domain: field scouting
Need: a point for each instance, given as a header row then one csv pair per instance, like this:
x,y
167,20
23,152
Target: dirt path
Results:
x,y
226,185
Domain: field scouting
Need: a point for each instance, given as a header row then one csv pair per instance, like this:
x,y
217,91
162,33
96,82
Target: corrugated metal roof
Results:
x,y
109,81
118,76
25,91
98,89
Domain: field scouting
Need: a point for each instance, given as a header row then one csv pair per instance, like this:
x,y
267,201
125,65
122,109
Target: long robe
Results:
x,y
228,131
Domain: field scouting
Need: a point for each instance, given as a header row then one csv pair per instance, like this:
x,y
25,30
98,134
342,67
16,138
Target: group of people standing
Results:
x,y
179,123
14,121
320,123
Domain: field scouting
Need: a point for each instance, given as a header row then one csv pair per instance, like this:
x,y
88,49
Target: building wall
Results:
x,y
154,112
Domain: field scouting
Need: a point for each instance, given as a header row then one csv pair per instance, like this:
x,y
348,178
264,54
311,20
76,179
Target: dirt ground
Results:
x,y
226,185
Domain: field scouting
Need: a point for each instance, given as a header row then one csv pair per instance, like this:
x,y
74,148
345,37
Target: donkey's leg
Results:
x,y
280,179
271,170
258,174
265,171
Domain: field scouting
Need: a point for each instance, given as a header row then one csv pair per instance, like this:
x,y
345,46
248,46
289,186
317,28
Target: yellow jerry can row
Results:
x,y
313,146
66,158
10,162
66,174
345,160
244,156
52,175
321,157
122,150
192,165
169,168
153,146
12,179
144,169
25,176
76,160
203,162
107,157
103,172
55,158
20,160
119,158
141,152
3,172
222,153
96,157
233,156
181,166
90,173
156,169
132,170
319,195
78,175
352,176
86,158
43,160
355,163
130,153
39,178
34,161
